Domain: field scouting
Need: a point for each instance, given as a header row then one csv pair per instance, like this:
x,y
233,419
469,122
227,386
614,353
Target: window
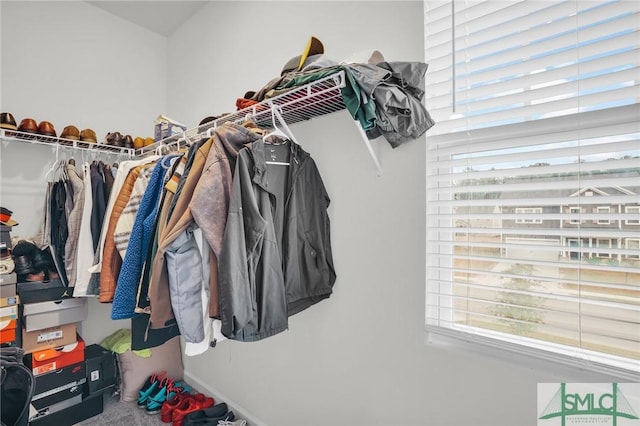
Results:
x,y
601,211
633,248
634,212
603,243
574,211
536,105
528,212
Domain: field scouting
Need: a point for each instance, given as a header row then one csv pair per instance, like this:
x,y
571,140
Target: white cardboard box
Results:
x,y
37,316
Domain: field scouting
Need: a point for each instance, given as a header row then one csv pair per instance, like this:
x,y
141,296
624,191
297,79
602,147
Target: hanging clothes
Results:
x,y
122,172
99,202
59,229
158,291
74,221
211,196
208,184
111,257
268,272
85,252
108,180
124,298
45,231
130,199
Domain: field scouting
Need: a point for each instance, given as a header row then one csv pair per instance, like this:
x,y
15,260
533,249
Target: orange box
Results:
x,y
8,331
53,359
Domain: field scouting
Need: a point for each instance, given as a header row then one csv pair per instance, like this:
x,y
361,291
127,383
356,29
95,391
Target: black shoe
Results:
x,y
209,416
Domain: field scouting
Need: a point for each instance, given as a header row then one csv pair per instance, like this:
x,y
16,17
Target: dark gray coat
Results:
x,y
276,257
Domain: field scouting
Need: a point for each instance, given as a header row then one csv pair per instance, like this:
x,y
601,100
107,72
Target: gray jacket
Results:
x,y
276,258
397,89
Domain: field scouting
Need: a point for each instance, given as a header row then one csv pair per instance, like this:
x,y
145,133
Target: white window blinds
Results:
x,y
533,181
500,62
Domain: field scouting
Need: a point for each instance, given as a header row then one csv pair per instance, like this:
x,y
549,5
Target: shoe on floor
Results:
x,y
168,389
209,416
191,404
148,387
166,412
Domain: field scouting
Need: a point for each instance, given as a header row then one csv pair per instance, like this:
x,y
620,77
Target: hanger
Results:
x,y
210,130
276,131
51,174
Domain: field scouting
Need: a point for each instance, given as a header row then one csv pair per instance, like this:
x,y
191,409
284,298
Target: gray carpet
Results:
x,y
117,413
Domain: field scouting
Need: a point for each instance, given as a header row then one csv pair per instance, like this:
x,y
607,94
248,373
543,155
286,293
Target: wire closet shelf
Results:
x,y
17,136
300,103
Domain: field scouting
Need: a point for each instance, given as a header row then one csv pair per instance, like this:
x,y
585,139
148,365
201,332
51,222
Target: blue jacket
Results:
x,y
124,299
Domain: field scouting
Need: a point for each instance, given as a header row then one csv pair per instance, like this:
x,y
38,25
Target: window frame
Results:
x,y
630,209
575,210
626,246
601,210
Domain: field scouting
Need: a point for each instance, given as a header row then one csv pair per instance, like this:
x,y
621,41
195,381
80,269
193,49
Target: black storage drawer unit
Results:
x,y
101,369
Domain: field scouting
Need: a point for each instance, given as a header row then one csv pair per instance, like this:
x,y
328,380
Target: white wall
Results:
x,y
71,63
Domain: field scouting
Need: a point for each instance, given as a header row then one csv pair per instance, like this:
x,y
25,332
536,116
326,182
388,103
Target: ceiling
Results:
x,y
162,17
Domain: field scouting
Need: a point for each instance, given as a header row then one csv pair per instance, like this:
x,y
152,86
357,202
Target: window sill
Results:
x,y
566,368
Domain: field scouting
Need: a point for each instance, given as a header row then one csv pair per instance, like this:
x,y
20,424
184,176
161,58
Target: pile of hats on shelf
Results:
x,y
176,404
30,129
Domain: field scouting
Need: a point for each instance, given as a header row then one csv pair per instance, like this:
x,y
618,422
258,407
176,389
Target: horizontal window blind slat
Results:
x,y
539,21
602,232
477,19
517,202
563,170
558,90
627,95
490,276
567,308
535,186
579,124
599,66
557,217
454,255
504,58
522,157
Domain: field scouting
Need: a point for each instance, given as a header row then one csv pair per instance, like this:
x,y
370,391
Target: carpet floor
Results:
x,y
118,413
